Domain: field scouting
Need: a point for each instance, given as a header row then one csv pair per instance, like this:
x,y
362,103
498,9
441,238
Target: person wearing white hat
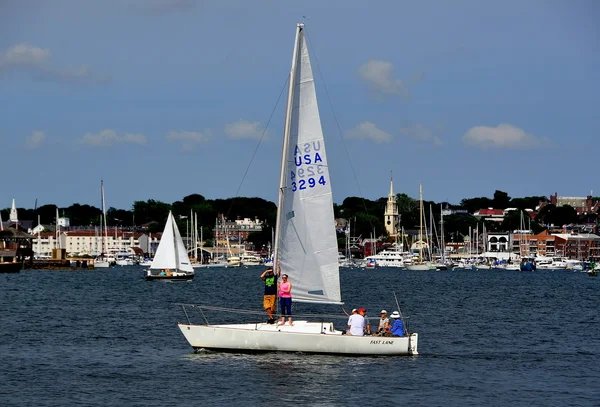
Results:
x,y
397,328
384,323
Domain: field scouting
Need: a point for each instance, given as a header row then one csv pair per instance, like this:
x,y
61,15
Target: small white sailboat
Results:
x,y
171,261
420,265
104,260
305,243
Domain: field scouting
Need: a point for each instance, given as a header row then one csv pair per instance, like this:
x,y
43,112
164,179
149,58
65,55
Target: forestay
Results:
x,y
306,238
171,253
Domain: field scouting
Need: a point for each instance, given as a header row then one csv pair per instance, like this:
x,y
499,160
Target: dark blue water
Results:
x,y
487,338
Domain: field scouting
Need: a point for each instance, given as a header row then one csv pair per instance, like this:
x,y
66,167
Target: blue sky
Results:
x,y
165,98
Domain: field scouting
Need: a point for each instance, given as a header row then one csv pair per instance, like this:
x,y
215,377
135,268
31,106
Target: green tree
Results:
x,y
457,226
542,215
83,214
512,220
501,200
529,202
474,204
151,211
120,217
562,215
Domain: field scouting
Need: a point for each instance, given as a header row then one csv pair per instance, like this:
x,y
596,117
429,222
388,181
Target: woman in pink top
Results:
x,y
284,289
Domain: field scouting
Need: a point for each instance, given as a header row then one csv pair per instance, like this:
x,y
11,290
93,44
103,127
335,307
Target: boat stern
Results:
x,y
413,342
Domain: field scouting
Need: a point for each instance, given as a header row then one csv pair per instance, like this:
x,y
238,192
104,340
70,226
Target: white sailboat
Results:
x,y
420,265
104,260
305,242
171,259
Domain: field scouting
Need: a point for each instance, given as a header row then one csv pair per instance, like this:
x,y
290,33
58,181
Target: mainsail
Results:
x,y
171,253
306,242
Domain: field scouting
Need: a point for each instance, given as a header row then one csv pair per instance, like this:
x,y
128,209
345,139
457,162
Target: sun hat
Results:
x,y
395,314
383,311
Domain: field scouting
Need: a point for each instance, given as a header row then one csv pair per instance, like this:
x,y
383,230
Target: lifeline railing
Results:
x,y
261,315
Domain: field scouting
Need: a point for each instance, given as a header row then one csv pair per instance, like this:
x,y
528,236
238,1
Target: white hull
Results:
x,y
418,267
101,264
308,337
251,263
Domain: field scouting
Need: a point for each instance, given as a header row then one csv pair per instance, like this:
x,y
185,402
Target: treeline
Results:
x,y
366,216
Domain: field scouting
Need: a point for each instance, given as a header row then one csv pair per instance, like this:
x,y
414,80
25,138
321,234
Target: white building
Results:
x,y
90,242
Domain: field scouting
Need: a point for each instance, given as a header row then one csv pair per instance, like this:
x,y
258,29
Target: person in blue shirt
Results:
x,y
397,328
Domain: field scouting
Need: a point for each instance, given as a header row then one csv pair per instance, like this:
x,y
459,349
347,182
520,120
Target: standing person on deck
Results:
x,y
270,296
285,299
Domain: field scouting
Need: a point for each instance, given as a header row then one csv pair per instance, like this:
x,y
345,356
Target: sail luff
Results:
x,y
285,146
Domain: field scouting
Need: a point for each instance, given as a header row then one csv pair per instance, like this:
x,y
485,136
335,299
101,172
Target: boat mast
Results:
x,y
442,243
172,219
286,137
57,230
201,246
420,223
104,236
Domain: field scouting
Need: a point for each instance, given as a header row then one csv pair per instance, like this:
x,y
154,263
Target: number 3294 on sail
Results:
x,y
313,179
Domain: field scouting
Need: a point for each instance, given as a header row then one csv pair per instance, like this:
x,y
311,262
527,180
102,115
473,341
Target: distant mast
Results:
x,y
104,236
57,230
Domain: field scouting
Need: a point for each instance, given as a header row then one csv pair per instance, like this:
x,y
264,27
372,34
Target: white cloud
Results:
x,y
107,138
22,55
369,131
379,76
136,138
189,139
244,130
82,74
34,61
502,136
36,139
422,133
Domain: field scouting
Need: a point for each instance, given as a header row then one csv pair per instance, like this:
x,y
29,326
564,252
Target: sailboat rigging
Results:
x,y
305,242
420,265
104,260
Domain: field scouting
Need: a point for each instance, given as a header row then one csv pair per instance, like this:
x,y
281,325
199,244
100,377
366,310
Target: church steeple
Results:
x,y
13,213
391,215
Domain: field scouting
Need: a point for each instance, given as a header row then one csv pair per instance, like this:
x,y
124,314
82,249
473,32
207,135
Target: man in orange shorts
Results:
x,y
270,297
